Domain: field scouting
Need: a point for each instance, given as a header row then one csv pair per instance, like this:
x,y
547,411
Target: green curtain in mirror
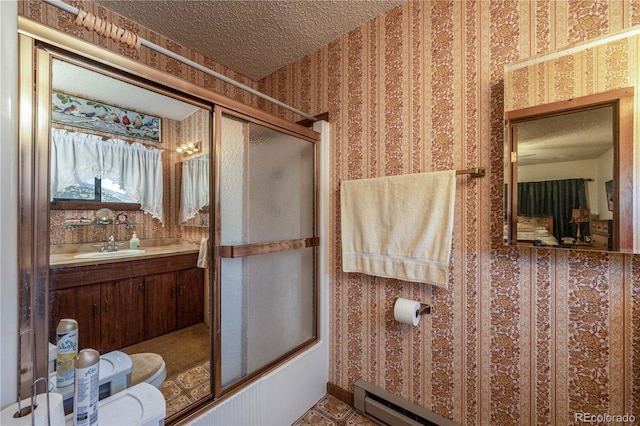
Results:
x,y
556,198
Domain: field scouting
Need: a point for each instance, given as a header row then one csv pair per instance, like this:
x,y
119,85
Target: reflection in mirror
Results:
x,y
194,191
565,173
117,145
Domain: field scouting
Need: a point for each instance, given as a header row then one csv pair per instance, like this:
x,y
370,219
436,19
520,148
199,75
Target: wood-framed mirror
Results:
x,y
570,173
572,149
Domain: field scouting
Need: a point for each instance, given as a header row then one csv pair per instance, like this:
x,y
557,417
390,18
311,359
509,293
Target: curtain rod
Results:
x,y
118,34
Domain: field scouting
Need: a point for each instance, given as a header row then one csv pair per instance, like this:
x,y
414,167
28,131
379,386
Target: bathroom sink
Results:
x,y
109,254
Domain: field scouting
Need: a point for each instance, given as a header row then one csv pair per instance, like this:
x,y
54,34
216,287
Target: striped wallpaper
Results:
x,y
524,336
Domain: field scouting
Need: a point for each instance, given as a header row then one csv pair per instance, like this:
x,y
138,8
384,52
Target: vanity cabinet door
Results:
x,y
160,304
122,313
82,304
190,302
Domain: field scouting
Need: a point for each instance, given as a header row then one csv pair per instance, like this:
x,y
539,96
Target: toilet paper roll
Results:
x,y
40,414
406,311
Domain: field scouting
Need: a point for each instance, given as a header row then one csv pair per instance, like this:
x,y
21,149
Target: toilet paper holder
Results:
x,y
424,309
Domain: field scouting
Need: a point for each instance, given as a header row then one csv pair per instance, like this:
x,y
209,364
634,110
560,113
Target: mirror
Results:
x,y
566,169
569,160
148,302
193,175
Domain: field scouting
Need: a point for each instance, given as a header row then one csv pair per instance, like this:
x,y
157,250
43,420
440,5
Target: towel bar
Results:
x,y
476,172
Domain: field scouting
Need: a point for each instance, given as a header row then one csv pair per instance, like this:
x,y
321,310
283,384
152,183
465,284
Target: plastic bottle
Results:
x,y
134,243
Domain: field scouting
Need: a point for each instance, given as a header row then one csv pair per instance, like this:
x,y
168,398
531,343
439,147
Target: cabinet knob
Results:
x,y
106,305
180,288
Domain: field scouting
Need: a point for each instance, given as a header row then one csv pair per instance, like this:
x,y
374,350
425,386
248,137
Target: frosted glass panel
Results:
x,y
232,177
267,189
276,297
266,194
281,196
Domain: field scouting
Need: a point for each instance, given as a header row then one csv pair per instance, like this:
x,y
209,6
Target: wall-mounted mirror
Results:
x,y
118,145
570,171
571,148
193,178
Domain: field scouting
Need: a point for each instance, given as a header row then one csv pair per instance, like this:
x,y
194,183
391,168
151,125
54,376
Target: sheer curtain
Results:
x,y
77,157
195,187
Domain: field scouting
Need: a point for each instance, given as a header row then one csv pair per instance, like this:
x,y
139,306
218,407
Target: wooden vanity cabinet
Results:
x,y
82,304
173,300
109,314
190,297
143,299
121,316
160,304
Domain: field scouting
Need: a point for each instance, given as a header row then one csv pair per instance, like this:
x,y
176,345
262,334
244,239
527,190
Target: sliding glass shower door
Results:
x,y
266,254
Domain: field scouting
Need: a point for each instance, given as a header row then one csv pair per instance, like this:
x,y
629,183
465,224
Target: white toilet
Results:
x,y
118,371
149,368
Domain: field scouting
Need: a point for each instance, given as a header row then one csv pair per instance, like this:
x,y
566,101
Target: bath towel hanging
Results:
x,y
399,226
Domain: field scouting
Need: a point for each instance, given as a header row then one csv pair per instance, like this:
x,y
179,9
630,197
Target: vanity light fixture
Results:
x,y
188,148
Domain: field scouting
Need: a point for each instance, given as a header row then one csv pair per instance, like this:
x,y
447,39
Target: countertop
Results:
x,y
62,256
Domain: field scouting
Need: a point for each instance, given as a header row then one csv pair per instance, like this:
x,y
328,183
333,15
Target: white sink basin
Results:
x,y
109,254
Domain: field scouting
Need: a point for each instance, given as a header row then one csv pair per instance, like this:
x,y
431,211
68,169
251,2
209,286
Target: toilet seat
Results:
x,y
149,368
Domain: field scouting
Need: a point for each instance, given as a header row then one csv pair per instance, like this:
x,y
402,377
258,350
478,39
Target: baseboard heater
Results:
x,y
385,408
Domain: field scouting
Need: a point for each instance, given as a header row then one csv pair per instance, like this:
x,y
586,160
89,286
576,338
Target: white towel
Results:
x,y
399,226
203,255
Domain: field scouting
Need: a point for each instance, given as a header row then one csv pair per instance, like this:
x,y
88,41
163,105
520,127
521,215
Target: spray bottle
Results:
x,y
87,392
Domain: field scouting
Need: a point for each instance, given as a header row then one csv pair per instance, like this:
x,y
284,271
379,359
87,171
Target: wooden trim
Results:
x,y
91,205
320,117
624,195
74,276
343,395
624,201
245,250
562,107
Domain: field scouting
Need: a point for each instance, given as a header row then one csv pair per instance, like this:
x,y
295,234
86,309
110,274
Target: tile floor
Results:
x,y
331,411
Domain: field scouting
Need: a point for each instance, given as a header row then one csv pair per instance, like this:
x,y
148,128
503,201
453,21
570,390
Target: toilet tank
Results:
x,y
115,376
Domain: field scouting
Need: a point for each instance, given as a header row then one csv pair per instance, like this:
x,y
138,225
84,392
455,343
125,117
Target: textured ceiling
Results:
x,y
583,135
252,37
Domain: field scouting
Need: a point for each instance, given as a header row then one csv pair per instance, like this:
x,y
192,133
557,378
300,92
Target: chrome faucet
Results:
x,y
111,244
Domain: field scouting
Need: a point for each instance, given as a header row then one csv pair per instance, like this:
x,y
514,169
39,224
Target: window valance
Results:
x,y
77,157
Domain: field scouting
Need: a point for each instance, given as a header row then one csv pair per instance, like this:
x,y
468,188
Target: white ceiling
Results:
x,y
75,80
251,37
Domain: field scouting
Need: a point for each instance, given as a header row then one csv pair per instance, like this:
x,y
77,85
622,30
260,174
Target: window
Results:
x,y
97,190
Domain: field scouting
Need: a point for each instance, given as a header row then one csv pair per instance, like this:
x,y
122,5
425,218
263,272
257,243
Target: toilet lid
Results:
x,y
140,405
144,365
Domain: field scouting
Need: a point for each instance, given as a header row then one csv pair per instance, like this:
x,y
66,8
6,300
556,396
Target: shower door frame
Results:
x,y
33,285
241,251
